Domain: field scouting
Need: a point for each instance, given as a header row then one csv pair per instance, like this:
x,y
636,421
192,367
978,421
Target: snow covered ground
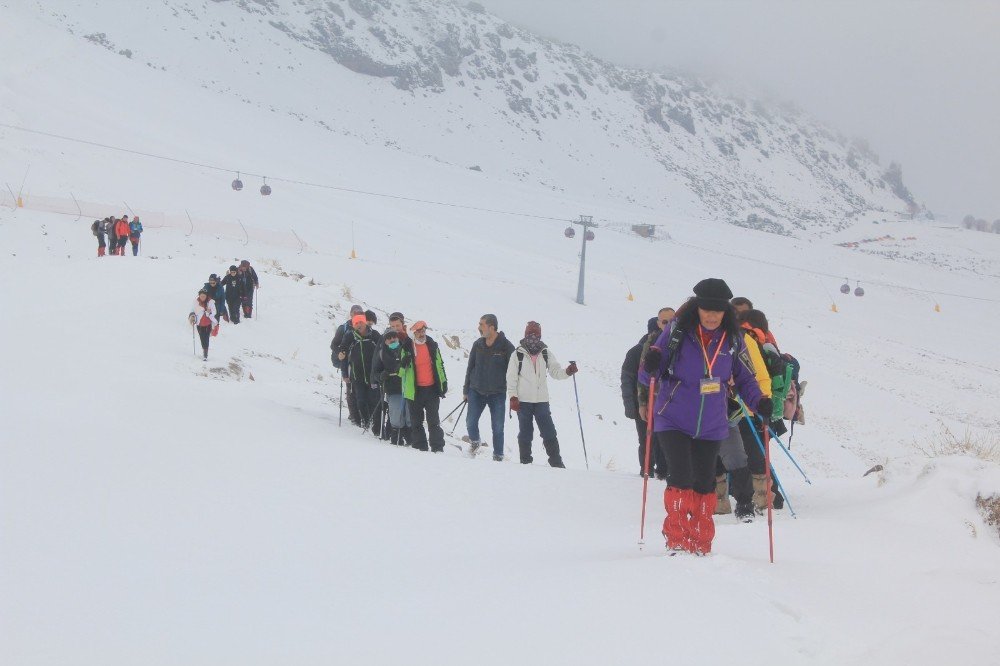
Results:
x,y
160,510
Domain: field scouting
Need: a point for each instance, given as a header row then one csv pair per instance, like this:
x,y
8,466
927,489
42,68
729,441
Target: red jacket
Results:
x,y
121,229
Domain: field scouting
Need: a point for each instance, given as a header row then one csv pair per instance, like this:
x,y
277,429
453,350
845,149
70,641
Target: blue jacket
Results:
x,y
135,228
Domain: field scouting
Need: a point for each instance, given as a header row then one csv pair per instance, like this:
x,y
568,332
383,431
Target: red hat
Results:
x,y
358,319
533,328
417,325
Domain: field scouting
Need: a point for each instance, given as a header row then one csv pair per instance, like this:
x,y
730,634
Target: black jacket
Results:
x,y
385,367
487,371
234,290
360,352
630,380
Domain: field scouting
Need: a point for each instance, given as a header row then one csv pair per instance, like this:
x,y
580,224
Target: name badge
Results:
x,y
711,385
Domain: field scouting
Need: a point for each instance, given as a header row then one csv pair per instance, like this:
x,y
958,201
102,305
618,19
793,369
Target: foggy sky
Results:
x,y
919,79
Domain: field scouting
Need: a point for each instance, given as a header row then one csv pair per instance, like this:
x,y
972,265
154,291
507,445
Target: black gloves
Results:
x,y
651,364
765,407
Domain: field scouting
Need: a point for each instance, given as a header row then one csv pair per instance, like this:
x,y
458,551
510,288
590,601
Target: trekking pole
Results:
x,y
459,417
645,462
194,349
789,454
767,486
580,418
340,417
457,407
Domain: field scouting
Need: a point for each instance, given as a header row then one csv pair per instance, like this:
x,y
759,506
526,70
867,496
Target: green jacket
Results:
x,y
408,372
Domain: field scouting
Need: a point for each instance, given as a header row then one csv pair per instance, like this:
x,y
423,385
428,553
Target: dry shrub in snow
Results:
x,y
985,446
989,507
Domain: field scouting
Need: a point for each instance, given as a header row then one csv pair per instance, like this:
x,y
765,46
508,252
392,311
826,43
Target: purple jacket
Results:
x,y
679,402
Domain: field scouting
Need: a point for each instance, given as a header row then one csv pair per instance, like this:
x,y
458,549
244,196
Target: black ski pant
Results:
x,y
426,405
755,456
528,414
122,242
367,400
691,461
657,459
205,333
233,306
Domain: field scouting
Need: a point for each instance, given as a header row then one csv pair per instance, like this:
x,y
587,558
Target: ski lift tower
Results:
x,y
587,222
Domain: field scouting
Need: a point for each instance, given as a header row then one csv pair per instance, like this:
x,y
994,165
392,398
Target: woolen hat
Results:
x,y
533,328
713,294
653,325
357,310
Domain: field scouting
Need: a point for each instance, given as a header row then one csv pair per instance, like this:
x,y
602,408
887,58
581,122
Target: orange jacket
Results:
x,y
121,229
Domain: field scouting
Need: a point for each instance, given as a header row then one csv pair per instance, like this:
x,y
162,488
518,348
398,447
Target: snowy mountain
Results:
x,y
454,83
158,509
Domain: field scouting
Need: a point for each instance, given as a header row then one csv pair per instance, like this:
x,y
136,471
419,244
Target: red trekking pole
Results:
x,y
767,486
645,463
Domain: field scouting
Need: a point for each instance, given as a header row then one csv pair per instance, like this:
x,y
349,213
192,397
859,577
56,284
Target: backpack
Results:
x,y
674,345
93,227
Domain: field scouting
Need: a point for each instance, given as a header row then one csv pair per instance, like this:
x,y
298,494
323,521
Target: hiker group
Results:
x,y
113,233
225,299
712,384
396,379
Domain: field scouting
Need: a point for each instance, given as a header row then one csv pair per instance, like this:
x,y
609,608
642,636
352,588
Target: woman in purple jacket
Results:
x,y
695,360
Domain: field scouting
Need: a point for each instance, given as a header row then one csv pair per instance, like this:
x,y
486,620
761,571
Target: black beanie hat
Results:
x,y
713,294
370,316
653,325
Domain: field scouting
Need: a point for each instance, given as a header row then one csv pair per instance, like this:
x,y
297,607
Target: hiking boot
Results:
x,y
760,493
497,457
474,445
778,502
744,512
552,451
723,506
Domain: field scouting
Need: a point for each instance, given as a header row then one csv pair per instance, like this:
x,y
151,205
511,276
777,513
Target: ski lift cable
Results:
x,y
290,181
398,197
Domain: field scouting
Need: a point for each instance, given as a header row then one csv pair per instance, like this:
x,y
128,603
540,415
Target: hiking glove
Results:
x,y
765,407
651,364
571,369
515,404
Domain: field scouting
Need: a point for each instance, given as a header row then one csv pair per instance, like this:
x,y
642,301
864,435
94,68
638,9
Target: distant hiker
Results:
x,y
630,397
232,286
203,317
424,385
121,235
218,294
527,388
344,333
97,228
109,229
386,368
248,283
358,347
695,360
135,234
486,383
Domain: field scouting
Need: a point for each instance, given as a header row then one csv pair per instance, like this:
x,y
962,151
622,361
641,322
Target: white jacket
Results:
x,y
532,383
207,309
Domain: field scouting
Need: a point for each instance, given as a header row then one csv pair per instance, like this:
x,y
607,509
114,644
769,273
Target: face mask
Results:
x,y
393,345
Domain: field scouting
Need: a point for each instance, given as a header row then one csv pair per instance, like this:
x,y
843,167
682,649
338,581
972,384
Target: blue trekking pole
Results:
x,y
790,457
746,415
578,416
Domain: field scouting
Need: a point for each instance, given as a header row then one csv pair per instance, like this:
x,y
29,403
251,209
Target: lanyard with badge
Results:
x,y
710,385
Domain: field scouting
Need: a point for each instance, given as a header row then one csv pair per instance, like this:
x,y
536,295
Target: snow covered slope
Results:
x,y
451,82
160,510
